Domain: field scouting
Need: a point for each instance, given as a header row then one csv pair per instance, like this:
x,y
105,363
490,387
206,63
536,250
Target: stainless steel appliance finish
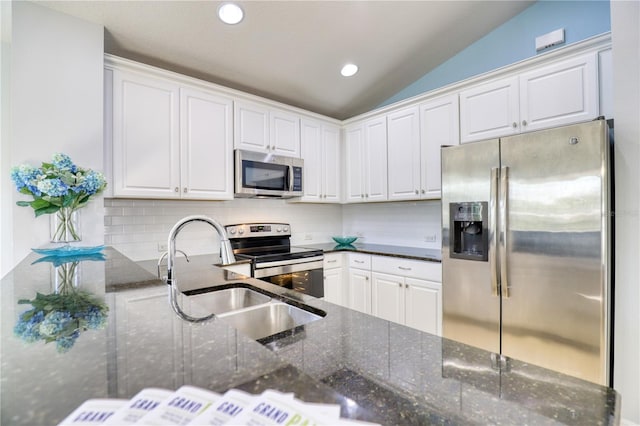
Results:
x,y
267,175
273,259
542,293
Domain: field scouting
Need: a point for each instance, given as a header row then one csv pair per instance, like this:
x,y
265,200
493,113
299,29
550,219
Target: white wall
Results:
x,y
5,131
399,223
56,106
625,20
136,227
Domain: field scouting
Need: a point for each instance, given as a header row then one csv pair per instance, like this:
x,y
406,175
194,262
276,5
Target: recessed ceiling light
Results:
x,y
230,13
349,70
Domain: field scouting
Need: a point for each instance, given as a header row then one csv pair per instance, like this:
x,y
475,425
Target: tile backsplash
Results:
x,y
139,228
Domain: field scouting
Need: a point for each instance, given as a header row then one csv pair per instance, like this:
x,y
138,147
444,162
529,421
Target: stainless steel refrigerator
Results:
x,y
526,233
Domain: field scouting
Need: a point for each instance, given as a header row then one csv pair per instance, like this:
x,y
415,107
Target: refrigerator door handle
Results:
x,y
493,235
502,224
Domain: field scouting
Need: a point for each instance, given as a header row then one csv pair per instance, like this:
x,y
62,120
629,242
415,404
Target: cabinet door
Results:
x,y
376,159
312,154
387,297
331,164
360,290
423,305
146,149
489,110
354,163
333,286
139,346
251,127
439,126
559,94
206,145
403,151
285,133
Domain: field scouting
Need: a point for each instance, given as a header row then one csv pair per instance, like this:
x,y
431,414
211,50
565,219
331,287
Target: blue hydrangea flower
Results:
x,y
94,318
54,322
91,183
63,162
53,187
63,344
26,176
29,330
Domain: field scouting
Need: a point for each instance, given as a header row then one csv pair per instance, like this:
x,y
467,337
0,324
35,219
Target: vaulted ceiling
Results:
x,y
292,51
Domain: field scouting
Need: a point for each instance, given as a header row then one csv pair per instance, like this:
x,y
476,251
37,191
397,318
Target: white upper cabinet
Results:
x,y
169,141
264,129
146,145
439,126
415,135
320,149
205,145
560,93
489,110
366,161
403,151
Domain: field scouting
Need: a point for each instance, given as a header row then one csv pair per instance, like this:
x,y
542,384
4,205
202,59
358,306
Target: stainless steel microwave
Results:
x,y
266,175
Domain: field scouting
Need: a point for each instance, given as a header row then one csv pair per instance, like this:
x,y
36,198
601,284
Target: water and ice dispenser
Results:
x,y
469,234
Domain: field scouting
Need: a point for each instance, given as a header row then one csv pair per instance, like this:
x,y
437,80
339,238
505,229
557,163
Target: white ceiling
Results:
x,y
292,51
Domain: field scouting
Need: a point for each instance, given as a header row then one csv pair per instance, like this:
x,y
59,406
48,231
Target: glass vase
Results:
x,y
65,226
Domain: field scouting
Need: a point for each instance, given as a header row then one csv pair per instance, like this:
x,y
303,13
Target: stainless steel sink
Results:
x,y
268,319
230,299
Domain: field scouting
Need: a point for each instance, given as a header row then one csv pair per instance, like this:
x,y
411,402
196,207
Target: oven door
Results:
x,y
305,277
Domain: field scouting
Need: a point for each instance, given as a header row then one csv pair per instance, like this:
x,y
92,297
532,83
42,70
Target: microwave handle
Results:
x,y
290,178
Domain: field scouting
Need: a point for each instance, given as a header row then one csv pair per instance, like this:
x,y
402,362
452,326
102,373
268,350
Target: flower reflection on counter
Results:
x,y
60,316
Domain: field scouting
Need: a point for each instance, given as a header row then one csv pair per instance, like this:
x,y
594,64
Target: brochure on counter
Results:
x,y
190,405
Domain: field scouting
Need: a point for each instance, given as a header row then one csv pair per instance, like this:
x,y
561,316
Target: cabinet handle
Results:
x,y
268,147
332,261
184,190
423,191
366,195
359,261
407,286
404,268
175,189
400,285
366,278
361,195
524,122
417,192
515,125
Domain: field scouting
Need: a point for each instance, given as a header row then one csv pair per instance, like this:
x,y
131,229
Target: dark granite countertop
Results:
x,y
415,253
375,370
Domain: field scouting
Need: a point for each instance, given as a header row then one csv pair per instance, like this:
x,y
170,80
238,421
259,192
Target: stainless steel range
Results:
x,y
273,259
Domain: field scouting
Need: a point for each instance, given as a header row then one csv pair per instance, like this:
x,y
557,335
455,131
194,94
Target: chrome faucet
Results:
x,y
226,253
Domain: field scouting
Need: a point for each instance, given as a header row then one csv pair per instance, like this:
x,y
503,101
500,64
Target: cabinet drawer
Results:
x,y
332,260
431,271
360,261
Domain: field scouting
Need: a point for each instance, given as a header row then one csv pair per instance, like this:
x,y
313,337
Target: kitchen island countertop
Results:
x,y
416,253
374,369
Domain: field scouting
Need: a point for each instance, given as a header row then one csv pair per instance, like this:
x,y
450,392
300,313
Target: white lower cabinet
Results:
x,y
404,291
334,285
408,292
359,282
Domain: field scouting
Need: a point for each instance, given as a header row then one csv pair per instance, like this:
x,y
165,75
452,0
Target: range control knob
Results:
x,y
241,231
232,231
285,229
278,229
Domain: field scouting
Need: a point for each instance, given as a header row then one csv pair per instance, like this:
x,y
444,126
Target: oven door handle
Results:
x,y
302,260
287,269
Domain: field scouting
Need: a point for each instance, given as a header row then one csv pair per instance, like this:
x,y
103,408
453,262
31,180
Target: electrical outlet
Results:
x,y
162,247
431,238
308,237
359,234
